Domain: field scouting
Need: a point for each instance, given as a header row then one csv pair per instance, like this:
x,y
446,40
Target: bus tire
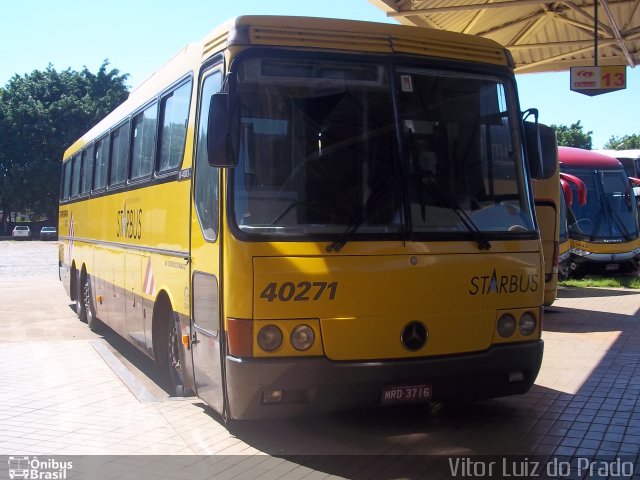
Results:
x,y
87,304
171,358
80,310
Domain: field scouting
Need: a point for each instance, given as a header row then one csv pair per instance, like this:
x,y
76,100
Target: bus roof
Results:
x,y
355,35
303,33
578,157
633,153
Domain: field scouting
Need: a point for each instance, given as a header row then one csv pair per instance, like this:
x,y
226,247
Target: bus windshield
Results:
x,y
324,149
610,212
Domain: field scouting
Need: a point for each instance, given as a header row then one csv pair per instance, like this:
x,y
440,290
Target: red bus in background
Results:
x,y
604,232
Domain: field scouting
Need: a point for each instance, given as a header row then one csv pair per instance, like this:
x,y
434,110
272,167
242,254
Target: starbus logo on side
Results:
x,y
500,284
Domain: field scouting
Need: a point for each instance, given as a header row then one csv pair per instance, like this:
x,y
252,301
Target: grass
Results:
x,y
603,282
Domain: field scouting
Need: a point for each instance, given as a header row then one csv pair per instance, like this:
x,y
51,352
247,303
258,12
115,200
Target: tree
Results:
x,y
41,115
626,142
573,136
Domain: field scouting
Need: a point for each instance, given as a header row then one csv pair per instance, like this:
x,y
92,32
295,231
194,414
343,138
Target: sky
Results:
x,y
138,37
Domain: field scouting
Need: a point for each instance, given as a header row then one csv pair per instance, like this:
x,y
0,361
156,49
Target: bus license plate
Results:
x,y
612,267
406,394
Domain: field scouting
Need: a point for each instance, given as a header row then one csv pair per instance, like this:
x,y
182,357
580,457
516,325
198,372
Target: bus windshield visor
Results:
x,y
320,152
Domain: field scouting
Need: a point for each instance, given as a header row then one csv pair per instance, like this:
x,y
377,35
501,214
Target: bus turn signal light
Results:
x,y
240,337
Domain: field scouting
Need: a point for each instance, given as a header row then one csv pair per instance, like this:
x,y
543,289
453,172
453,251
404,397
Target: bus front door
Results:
x,y
205,261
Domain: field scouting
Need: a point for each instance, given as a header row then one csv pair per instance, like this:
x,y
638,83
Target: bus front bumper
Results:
x,y
272,388
581,256
621,261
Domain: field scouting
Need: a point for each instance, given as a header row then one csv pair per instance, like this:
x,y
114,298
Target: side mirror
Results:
x,y
549,150
532,149
541,148
219,132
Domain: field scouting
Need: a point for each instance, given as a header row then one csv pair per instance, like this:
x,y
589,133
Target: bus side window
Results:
x,y
67,180
206,181
87,170
119,155
101,159
143,142
174,111
75,179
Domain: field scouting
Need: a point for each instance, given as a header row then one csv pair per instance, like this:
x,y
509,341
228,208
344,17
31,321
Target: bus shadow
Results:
x,y
572,320
393,442
143,368
579,292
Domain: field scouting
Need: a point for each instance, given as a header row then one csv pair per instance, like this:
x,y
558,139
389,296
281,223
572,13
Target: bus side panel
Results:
x,y
81,251
99,284
133,297
546,194
548,216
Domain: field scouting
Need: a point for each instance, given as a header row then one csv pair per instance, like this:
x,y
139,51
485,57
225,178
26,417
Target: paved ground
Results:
x,y
67,391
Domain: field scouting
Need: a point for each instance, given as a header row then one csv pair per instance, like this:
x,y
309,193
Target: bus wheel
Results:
x,y
80,308
87,305
173,358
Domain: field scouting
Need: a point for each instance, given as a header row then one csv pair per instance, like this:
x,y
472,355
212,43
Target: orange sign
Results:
x,y
596,80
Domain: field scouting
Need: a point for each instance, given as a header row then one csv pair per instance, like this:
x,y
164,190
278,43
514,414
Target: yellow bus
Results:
x,y
546,192
567,184
302,215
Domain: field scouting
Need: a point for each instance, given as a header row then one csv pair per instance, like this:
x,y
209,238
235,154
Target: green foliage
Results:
x,y
41,115
603,282
626,142
573,136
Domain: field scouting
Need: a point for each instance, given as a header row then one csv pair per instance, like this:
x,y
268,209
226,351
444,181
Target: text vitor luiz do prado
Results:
x,y
530,468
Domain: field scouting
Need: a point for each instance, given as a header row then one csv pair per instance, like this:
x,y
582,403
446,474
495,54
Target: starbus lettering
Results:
x,y
499,284
129,223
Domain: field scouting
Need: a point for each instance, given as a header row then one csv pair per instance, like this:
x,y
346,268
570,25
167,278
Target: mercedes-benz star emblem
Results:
x,y
414,336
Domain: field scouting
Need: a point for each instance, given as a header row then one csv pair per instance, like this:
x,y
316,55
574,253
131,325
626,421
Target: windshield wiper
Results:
x,y
447,202
472,228
360,217
606,206
450,203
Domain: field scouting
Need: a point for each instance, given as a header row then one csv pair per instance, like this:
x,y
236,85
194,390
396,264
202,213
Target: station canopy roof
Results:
x,y
542,36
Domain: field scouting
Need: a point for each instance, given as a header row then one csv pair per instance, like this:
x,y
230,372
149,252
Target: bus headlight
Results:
x,y
506,325
270,338
302,337
527,324
580,253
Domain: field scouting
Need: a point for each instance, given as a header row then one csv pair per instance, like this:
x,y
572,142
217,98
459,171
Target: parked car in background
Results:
x,y
21,231
48,233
